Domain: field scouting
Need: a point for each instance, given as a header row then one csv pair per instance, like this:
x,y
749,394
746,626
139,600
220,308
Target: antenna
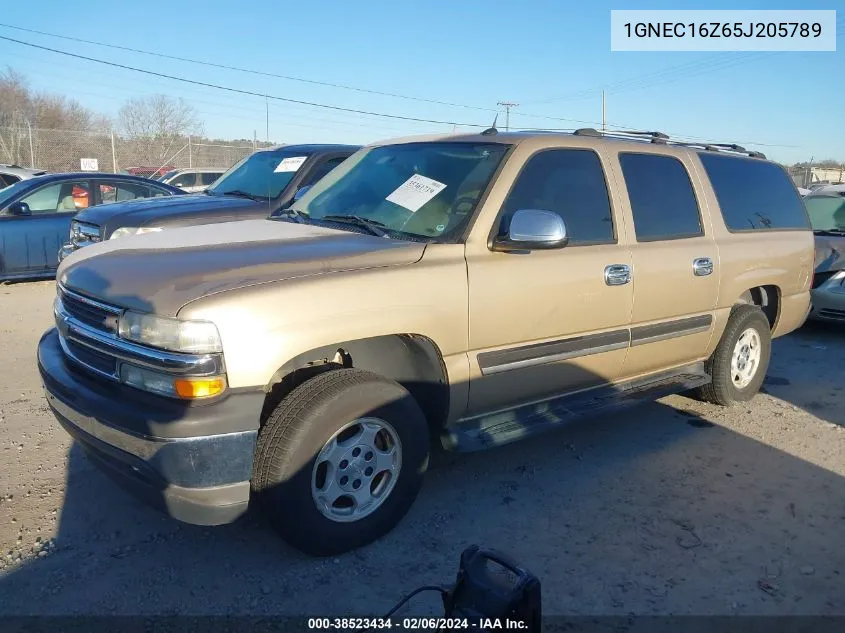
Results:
x,y
492,129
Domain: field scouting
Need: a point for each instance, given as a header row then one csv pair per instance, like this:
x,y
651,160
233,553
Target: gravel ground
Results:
x,y
675,508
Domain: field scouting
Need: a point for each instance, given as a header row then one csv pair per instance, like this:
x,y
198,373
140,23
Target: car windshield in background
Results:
x,y
166,176
827,213
260,175
420,189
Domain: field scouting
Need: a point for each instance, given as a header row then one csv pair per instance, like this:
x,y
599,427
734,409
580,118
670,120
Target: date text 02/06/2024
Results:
x,y
412,624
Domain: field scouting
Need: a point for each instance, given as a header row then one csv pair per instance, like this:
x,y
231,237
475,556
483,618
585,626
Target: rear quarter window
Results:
x,y
754,195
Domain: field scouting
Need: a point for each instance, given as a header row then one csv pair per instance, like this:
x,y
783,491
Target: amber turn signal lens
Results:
x,y
199,387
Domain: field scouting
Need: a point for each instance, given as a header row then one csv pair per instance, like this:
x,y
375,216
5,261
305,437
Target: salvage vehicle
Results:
x,y
826,208
479,289
261,184
36,214
10,174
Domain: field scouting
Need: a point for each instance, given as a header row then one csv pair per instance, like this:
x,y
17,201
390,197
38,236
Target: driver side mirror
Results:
x,y
19,208
301,192
533,229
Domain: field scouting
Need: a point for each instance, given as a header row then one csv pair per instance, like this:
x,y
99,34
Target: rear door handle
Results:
x,y
617,274
702,266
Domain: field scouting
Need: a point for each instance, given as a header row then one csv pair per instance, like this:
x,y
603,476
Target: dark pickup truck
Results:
x,y
258,186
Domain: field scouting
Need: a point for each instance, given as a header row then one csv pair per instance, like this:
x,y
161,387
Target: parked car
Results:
x,y
10,174
36,213
261,184
826,208
149,172
483,288
193,180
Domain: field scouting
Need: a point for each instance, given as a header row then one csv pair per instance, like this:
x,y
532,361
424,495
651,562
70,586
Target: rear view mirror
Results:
x,y
19,208
532,229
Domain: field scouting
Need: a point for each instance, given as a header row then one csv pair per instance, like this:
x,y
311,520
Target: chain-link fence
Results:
x,y
67,150
806,176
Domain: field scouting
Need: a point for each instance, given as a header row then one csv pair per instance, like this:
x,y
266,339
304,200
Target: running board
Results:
x,y
496,429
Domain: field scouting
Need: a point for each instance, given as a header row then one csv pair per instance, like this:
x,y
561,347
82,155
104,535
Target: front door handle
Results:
x,y
617,274
702,266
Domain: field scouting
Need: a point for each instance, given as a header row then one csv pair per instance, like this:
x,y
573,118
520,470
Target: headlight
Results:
x,y
82,233
197,337
134,230
172,386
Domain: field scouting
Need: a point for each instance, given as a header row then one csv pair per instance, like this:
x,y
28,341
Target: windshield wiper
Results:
x,y
242,194
830,231
290,212
374,227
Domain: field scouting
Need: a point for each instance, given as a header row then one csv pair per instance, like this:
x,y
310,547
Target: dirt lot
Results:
x,y
678,508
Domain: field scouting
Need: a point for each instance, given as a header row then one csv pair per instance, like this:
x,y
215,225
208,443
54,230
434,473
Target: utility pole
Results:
x,y
603,113
31,151
267,114
508,105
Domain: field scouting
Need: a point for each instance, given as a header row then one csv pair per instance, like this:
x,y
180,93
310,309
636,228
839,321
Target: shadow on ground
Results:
x,y
661,509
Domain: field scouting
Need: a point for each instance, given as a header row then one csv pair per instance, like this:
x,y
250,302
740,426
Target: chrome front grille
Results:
x,y
93,313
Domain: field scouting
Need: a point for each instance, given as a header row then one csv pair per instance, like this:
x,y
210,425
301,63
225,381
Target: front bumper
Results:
x,y
828,304
193,461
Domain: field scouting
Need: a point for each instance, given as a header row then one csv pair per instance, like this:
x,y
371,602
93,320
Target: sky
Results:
x,y
553,58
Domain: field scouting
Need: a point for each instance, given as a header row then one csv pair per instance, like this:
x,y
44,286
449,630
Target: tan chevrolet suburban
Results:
x,y
477,288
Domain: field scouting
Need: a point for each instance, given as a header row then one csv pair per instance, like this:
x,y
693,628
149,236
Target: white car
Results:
x,y
10,174
192,180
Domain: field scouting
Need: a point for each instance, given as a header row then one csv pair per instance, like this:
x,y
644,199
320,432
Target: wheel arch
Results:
x,y
413,360
767,298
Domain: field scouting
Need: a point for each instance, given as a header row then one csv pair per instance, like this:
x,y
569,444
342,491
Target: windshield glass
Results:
x,y
167,176
826,212
419,189
261,175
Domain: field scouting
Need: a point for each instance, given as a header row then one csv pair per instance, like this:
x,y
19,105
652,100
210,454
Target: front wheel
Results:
x,y
739,363
340,461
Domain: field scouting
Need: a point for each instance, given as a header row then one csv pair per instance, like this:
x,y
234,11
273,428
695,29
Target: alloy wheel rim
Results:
x,y
745,360
356,470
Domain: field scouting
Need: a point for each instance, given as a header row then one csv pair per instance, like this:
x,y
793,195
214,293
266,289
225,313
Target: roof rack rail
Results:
x,y
656,137
663,139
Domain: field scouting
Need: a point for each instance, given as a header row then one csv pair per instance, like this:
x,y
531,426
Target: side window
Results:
x,y
155,192
754,194
131,190
208,178
185,180
662,199
571,183
7,179
59,197
116,191
323,170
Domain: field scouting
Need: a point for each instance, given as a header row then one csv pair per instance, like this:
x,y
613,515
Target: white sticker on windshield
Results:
x,y
292,163
415,192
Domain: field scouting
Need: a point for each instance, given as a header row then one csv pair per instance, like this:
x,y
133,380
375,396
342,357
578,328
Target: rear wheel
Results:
x,y
739,363
340,461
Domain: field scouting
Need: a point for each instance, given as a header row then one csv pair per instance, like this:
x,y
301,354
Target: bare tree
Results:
x,y
158,125
24,113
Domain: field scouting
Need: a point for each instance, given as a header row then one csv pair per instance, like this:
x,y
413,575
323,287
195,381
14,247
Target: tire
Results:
x,y
298,430
723,389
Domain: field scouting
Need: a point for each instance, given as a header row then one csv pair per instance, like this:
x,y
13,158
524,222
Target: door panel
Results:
x,y
675,265
30,244
548,322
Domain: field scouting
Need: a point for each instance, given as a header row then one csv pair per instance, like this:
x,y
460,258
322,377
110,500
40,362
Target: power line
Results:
x,y
235,90
249,70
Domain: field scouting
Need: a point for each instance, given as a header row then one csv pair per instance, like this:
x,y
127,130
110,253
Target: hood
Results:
x,y
144,211
830,253
161,272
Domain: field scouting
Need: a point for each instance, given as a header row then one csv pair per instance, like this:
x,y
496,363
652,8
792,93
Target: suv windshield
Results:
x,y
426,190
261,175
827,212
